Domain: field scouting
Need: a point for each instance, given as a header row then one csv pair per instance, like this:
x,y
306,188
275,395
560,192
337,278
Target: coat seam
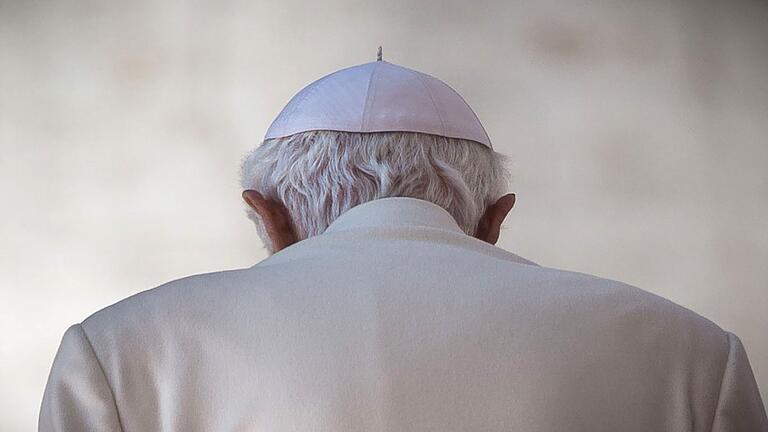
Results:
x,y
104,374
722,380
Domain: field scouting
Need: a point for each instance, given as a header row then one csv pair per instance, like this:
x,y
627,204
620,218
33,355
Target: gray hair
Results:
x,y
318,175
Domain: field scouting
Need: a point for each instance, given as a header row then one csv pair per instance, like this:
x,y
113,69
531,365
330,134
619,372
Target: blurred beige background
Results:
x,y
638,133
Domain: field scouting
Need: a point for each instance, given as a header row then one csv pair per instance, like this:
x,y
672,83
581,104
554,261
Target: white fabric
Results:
x,y
379,97
395,320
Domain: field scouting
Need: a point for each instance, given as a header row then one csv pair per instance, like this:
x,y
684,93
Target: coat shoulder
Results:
x,y
188,298
643,316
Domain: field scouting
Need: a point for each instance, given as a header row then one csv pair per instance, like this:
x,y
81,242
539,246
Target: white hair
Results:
x,y
318,175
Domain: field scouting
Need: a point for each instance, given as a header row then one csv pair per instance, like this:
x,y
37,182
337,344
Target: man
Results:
x,y
384,305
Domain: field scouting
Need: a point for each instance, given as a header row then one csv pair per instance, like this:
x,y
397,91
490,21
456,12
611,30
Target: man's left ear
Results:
x,y
276,220
489,227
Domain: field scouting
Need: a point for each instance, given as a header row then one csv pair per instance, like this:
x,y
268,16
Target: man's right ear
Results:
x,y
275,217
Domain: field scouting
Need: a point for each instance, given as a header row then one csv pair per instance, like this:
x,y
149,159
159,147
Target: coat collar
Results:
x,y
395,212
434,223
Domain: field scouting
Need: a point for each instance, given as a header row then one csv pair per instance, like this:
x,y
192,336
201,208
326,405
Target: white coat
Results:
x,y
395,320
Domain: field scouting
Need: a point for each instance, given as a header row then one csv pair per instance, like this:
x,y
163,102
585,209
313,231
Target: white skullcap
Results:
x,y
379,97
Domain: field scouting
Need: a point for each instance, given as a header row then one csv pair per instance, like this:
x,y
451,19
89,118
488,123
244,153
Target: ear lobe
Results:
x,y
275,217
482,228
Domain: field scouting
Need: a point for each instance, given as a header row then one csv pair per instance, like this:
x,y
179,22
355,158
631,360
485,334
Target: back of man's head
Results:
x,y
318,175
